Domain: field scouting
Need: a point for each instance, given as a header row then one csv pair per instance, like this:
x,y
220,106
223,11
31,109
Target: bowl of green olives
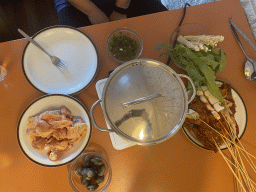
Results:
x,y
90,171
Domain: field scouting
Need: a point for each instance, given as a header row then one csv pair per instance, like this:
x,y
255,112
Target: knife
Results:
x,y
243,35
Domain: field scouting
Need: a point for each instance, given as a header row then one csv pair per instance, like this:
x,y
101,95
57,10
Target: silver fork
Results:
x,y
55,60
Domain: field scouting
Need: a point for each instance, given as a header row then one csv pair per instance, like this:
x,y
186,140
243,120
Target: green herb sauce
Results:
x,y
123,47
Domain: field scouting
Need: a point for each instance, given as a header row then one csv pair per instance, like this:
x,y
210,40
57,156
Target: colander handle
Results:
x,y
193,86
93,120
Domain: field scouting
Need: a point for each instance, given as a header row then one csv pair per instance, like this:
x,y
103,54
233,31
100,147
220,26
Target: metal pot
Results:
x,y
144,101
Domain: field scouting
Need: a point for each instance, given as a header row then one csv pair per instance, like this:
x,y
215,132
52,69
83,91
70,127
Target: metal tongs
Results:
x,y
250,65
243,35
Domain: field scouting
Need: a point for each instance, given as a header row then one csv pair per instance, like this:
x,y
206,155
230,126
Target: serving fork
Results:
x,y
55,60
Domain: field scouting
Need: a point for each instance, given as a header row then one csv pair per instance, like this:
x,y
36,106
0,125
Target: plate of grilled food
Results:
x,y
209,124
54,129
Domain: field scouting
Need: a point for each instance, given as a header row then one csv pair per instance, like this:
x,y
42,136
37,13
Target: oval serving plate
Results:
x,y
240,117
52,102
70,45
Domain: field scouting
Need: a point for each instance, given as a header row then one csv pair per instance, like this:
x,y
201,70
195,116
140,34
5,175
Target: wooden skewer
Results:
x,y
236,163
253,182
252,165
236,158
235,151
245,174
249,161
227,138
240,170
240,182
237,167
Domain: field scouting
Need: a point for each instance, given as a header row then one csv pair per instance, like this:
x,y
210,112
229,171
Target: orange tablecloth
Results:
x,y
175,165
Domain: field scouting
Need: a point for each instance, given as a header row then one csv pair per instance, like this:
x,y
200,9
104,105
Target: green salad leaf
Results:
x,y
201,66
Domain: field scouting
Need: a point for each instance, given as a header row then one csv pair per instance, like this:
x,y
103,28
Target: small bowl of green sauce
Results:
x,y
124,44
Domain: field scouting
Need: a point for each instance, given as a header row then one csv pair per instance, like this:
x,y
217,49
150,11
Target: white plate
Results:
x,y
70,45
240,117
51,102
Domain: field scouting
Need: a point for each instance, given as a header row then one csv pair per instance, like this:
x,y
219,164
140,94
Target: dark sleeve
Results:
x,y
144,7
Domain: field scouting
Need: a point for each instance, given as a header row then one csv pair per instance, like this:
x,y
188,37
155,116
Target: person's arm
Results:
x,y
94,14
124,4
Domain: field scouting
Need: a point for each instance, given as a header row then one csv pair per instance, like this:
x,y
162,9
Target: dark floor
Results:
x,y
28,15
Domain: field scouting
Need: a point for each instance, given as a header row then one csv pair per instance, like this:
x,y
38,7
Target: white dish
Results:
x,y
51,102
70,45
240,117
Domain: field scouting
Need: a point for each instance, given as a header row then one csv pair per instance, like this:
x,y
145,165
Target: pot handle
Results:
x,y
92,118
193,86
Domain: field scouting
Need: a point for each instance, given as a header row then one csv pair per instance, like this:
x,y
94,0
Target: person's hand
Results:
x,y
94,14
117,16
98,17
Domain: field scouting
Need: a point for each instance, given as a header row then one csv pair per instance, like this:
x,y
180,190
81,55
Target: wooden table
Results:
x,y
175,165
